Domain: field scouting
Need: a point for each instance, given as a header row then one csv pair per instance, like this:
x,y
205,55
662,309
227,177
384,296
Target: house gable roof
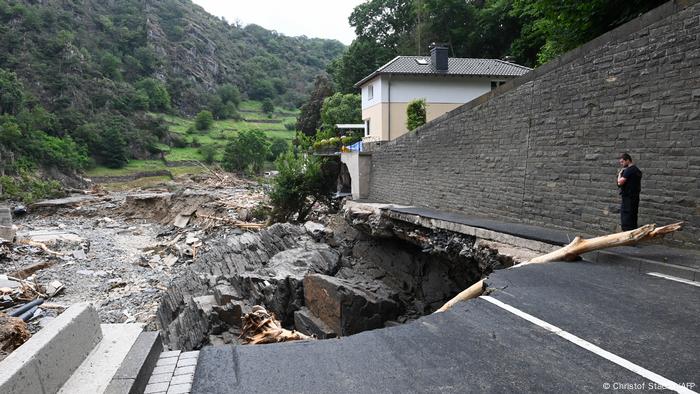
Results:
x,y
420,65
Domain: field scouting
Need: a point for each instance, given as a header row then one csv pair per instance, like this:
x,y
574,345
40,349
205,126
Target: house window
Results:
x,y
367,127
370,92
495,84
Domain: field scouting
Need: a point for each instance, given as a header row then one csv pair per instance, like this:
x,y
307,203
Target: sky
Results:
x,y
311,18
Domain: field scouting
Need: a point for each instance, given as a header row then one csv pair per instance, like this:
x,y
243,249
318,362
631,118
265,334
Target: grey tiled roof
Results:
x,y
407,65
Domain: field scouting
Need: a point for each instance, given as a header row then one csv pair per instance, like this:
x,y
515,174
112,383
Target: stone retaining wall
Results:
x,y
542,149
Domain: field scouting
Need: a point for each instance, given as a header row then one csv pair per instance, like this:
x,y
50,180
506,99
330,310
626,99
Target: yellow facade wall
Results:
x,y
388,121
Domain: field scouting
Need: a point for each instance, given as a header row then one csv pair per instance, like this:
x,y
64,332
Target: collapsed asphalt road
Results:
x,y
558,327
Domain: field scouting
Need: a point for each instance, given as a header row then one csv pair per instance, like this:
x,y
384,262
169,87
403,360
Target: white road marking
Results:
x,y
669,277
656,378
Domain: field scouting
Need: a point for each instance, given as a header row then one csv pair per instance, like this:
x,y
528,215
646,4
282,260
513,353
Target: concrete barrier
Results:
x,y
6,231
47,359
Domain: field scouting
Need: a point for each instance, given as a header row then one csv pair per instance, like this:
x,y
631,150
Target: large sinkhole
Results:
x,y
325,281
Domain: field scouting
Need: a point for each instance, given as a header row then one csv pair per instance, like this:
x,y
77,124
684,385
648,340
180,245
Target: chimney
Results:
x,y
438,57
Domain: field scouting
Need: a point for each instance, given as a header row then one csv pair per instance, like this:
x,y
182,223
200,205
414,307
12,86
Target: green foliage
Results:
x,y
208,153
277,147
299,184
362,57
528,31
204,120
267,106
341,108
309,119
290,126
415,114
246,152
564,25
113,147
157,93
229,94
11,93
28,188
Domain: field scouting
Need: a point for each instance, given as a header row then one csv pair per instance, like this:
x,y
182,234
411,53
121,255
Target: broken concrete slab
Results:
x,y
67,202
56,239
346,307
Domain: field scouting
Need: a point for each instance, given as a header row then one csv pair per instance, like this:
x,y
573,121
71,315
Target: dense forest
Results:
x,y
528,32
80,80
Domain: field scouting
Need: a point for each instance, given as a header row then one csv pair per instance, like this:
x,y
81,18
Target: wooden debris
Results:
x,y
237,223
26,272
580,246
40,245
13,332
576,248
260,326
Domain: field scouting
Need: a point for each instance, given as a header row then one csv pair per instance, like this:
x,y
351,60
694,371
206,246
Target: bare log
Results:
x,y
576,248
472,291
42,246
260,326
580,246
210,170
237,223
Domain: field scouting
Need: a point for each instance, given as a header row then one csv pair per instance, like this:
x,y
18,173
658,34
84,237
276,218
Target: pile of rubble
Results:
x,y
321,280
117,250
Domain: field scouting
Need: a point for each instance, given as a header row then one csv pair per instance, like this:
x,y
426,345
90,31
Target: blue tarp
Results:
x,y
357,146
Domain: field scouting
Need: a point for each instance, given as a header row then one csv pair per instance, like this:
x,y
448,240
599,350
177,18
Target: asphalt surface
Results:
x,y
480,347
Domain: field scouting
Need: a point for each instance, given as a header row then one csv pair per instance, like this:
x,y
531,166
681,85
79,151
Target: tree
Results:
x,y
277,148
341,108
566,24
158,96
204,120
390,23
299,184
309,119
11,93
361,59
267,106
415,114
229,94
246,151
114,148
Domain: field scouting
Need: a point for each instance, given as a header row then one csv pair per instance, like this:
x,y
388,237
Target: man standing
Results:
x,y
629,180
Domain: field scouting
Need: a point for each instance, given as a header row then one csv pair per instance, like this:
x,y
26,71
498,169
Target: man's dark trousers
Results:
x,y
628,212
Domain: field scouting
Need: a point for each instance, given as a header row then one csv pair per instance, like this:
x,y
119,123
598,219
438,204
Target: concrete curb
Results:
x,y
47,360
134,372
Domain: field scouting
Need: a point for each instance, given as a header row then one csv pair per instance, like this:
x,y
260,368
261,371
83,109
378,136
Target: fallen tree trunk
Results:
x,y
237,223
576,248
260,326
472,291
580,246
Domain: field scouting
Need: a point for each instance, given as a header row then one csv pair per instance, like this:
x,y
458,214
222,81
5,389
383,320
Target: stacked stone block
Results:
x,y
542,149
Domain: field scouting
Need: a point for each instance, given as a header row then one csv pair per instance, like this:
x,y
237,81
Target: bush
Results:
x,y
246,151
28,189
277,147
208,153
290,126
297,187
267,106
204,120
415,114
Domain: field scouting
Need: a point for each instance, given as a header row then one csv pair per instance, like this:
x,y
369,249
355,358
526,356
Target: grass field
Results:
x,y
218,135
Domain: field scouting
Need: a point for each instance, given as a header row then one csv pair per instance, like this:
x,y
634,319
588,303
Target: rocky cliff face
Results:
x,y
204,51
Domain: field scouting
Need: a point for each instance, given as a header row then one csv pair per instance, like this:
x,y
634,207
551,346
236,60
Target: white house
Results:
x,y
445,84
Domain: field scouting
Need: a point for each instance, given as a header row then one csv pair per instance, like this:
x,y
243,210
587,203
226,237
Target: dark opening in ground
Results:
x,y
325,281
